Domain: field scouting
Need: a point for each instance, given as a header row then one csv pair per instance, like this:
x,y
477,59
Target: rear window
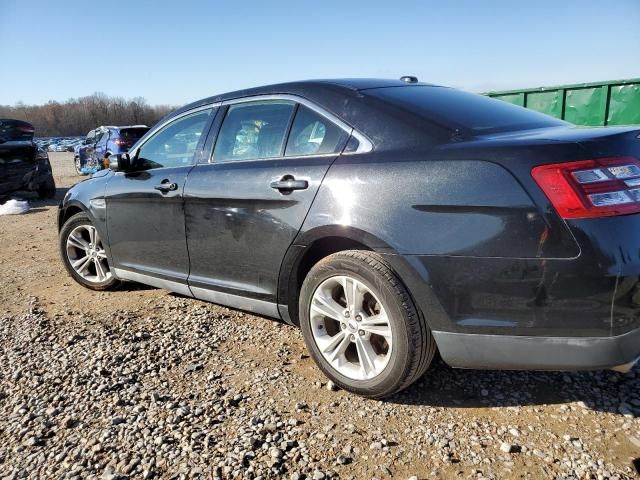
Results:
x,y
460,110
132,133
12,130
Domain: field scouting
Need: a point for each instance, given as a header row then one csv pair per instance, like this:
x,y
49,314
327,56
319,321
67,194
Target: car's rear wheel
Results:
x,y
84,255
76,162
361,325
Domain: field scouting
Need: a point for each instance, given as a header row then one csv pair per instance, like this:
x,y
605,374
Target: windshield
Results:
x,y
132,133
12,130
460,110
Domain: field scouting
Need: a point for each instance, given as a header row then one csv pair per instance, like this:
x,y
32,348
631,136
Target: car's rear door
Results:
x,y
246,204
145,214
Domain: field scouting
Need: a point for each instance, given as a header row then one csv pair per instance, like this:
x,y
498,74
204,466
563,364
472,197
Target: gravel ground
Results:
x,y
141,383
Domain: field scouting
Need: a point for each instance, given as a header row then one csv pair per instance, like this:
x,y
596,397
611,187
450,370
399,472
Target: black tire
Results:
x,y
413,343
81,219
47,190
77,165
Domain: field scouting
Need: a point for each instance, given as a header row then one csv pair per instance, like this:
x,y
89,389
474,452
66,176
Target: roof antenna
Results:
x,y
409,79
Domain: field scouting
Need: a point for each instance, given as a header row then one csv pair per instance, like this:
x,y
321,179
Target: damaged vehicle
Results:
x,y
103,142
23,165
388,219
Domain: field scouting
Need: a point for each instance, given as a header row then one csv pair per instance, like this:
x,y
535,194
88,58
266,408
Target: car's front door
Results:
x,y
246,204
145,214
86,151
100,148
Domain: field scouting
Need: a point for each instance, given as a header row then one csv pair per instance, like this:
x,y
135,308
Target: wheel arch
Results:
x,y
314,245
69,210
74,206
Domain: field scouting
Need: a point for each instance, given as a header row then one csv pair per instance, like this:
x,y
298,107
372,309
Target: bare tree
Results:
x,y
77,116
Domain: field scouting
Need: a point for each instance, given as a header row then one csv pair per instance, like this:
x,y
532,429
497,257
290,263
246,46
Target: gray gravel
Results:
x,y
186,389
143,384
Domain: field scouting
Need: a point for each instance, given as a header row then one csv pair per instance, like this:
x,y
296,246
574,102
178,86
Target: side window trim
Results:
x,y
364,144
212,134
287,132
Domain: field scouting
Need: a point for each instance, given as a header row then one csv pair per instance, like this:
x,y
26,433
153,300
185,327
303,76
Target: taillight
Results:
x,y
592,188
121,141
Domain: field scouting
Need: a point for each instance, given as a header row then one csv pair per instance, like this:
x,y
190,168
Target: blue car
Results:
x,y
103,142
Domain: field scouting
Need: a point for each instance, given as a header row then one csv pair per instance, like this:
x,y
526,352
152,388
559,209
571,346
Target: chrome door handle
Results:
x,y
288,184
166,187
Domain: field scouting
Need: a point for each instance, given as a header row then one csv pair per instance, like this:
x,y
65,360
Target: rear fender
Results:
x,y
411,272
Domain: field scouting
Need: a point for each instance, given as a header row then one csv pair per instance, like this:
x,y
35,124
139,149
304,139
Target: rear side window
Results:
x,y
132,133
313,134
253,130
457,110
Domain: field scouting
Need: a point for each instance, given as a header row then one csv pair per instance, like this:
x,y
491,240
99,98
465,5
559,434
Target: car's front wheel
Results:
x,y
361,325
84,255
78,165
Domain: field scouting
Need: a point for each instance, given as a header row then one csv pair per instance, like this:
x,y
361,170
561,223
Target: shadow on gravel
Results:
x,y
37,204
605,391
136,287
48,202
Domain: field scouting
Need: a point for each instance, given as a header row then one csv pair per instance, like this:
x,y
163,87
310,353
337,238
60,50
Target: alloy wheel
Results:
x,y
86,254
350,327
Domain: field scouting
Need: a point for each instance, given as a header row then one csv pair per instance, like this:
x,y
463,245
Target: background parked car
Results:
x,y
117,140
23,165
83,157
103,142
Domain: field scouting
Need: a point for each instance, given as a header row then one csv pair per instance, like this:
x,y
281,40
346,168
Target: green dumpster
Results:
x,y
595,104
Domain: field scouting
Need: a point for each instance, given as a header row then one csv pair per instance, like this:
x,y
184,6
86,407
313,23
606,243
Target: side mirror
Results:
x,y
120,162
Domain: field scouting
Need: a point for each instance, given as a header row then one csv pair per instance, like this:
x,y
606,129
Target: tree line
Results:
x,y
77,116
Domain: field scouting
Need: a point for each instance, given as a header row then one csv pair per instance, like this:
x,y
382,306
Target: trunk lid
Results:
x,y
579,135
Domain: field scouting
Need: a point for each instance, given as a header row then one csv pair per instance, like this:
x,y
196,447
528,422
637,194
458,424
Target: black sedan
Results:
x,y
388,219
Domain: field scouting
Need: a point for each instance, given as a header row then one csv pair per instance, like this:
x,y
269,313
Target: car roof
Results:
x,y
307,88
122,127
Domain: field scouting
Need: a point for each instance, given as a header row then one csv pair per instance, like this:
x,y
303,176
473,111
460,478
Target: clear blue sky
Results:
x,y
173,52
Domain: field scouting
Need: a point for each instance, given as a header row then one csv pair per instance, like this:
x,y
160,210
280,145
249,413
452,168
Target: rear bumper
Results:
x,y
511,352
31,179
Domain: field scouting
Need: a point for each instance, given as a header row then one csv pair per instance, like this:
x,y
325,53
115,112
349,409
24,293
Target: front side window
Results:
x,y
313,134
253,130
175,144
